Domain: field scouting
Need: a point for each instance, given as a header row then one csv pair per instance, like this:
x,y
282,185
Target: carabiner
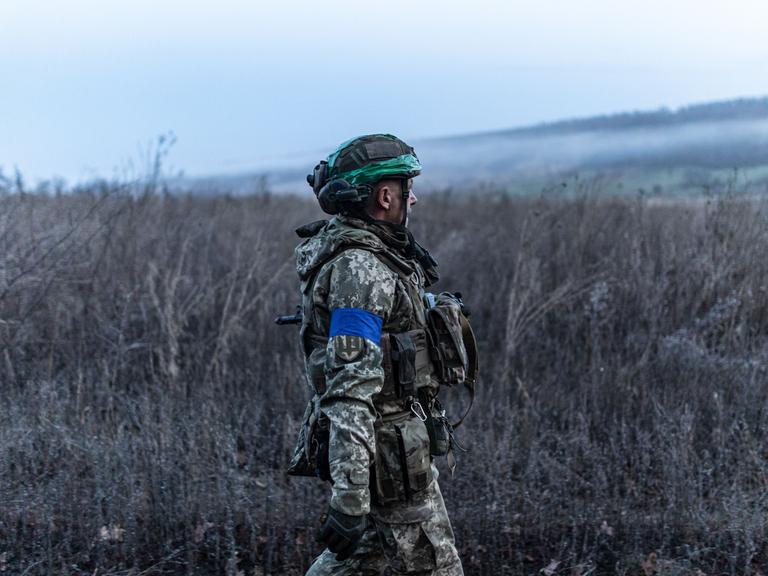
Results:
x,y
418,410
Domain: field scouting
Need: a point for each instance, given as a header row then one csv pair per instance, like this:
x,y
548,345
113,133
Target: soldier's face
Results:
x,y
388,202
397,204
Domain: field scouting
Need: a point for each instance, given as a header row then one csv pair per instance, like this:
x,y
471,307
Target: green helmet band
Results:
x,y
405,166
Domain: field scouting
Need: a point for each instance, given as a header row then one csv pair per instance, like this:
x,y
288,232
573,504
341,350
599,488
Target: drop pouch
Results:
x,y
403,463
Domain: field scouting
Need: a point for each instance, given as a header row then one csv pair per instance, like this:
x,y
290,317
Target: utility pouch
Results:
x,y
449,354
438,427
310,455
403,463
453,346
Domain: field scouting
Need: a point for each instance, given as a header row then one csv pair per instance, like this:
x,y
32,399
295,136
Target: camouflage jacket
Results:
x,y
349,264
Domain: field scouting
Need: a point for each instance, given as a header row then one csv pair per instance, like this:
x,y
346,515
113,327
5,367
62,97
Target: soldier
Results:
x,y
374,423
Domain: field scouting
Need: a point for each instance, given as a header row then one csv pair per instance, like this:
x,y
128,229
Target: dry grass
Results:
x,y
148,404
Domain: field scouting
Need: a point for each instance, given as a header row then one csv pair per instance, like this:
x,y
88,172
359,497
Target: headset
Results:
x,y
333,194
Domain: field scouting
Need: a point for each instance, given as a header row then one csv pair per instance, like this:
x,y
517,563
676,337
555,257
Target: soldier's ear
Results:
x,y
383,194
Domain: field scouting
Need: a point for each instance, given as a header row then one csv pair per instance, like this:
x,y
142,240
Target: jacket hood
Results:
x,y
325,239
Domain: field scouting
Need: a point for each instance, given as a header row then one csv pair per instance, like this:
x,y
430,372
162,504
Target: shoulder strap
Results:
x,y
392,264
387,260
470,344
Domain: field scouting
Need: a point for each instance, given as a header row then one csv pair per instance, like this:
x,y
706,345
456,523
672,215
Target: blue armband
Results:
x,y
356,322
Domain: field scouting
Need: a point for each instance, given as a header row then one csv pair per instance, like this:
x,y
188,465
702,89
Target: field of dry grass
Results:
x,y
148,403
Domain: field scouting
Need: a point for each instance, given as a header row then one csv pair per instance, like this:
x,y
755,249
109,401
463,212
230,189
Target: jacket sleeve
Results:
x,y
360,298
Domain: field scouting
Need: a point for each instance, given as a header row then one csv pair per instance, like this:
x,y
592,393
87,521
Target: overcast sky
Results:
x,y
86,85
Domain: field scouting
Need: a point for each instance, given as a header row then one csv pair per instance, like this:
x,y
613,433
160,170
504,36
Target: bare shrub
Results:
x,y
149,403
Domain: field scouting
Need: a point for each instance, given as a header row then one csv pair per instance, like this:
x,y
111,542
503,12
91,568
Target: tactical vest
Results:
x,y
435,346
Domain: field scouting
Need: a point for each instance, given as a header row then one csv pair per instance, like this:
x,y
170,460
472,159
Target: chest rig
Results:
x,y
404,340
415,364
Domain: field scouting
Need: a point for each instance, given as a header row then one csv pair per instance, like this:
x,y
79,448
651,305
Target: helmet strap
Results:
x,y
406,195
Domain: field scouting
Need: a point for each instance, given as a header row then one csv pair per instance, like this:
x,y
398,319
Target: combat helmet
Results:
x,y
346,179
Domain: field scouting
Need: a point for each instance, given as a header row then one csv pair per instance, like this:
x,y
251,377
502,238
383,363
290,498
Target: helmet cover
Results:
x,y
348,175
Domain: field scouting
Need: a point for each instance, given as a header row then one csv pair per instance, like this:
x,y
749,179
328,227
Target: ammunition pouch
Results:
x,y
403,466
407,364
403,356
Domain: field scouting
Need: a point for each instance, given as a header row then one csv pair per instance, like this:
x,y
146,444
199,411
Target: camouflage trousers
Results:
x,y
416,539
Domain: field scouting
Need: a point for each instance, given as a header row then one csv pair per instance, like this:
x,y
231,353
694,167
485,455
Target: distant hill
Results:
x,y
728,111
673,151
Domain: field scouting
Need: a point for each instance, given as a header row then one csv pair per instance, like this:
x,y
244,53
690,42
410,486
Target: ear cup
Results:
x,y
336,193
339,194
327,202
